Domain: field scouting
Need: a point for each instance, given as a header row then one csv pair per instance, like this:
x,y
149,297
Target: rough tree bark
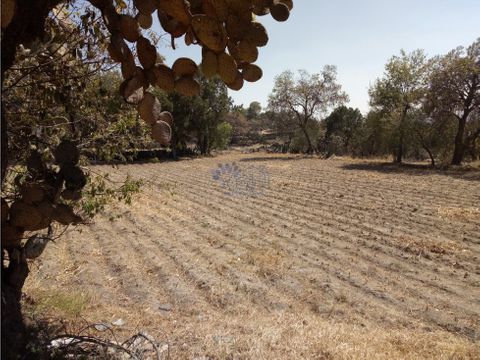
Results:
x,y
202,143
4,140
399,154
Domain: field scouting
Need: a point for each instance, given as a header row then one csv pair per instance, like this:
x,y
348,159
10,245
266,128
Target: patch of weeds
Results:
x,y
459,213
68,304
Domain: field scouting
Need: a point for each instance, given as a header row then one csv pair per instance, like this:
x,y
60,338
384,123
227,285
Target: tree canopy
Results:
x,y
343,123
455,92
420,108
306,98
401,89
200,115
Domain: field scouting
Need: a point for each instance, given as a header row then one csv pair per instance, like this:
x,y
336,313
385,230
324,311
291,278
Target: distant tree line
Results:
x,y
420,108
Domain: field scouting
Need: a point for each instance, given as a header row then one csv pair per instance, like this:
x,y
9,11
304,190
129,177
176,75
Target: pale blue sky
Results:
x,y
357,36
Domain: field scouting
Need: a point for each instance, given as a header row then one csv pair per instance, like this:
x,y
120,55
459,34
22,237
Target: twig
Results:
x,y
92,326
142,335
77,339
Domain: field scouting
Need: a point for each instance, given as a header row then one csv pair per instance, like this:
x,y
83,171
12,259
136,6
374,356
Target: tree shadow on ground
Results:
x,y
38,337
38,333
464,172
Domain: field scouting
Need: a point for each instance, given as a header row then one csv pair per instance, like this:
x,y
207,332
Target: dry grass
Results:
x,y
460,213
334,262
292,335
57,303
424,247
268,262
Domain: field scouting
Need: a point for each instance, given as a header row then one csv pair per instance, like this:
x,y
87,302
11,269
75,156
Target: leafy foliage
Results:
x,y
342,124
306,98
420,108
455,94
99,193
223,135
198,118
401,89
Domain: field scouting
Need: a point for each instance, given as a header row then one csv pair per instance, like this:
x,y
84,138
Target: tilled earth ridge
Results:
x,y
332,257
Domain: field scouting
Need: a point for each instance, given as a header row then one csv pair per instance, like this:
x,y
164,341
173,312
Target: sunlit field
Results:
x,y
329,259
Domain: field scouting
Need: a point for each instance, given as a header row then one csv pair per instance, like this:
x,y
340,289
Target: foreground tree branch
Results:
x,y
49,188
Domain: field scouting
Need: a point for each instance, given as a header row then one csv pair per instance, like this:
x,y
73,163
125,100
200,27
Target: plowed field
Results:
x,y
329,259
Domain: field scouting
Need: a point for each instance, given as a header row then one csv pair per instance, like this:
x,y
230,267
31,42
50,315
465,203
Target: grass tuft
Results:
x,y
69,304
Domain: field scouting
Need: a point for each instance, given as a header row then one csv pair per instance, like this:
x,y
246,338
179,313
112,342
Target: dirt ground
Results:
x,y
295,257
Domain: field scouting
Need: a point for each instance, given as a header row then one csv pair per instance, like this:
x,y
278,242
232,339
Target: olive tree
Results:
x,y
343,123
455,92
401,89
307,98
199,116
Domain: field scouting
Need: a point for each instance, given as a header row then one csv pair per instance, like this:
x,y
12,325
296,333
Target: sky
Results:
x,y
357,36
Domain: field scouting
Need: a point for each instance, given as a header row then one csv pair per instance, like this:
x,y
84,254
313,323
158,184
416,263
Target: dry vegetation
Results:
x,y
339,259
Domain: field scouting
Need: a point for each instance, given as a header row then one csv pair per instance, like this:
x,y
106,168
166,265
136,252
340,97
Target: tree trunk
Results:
x,y
432,158
399,154
174,150
424,145
4,141
309,142
71,113
346,144
13,327
459,149
206,146
401,145
203,143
